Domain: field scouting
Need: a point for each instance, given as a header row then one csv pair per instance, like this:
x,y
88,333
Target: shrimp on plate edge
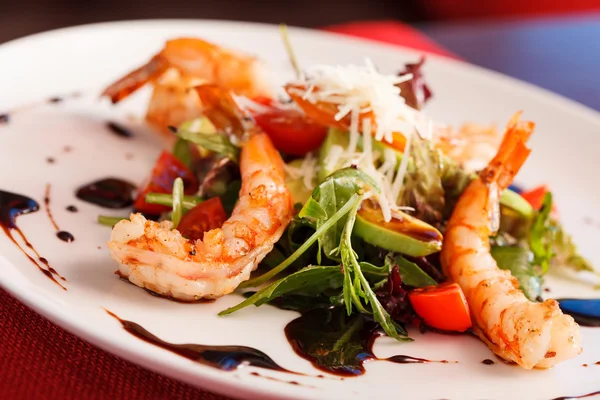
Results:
x,y
153,256
533,335
182,64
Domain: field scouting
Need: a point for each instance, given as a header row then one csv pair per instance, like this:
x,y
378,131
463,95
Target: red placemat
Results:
x,y
39,360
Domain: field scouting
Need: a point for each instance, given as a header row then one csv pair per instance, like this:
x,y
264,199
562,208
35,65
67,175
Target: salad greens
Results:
x,y
339,256
309,281
519,261
187,202
109,221
203,133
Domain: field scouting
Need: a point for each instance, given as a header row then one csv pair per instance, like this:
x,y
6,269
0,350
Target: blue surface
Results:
x,y
586,307
559,54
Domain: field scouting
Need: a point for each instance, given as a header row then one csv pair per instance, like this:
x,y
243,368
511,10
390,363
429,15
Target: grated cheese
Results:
x,y
358,90
309,170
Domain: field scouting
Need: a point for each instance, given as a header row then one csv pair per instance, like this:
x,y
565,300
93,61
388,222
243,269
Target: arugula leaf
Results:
x,y
357,287
519,261
352,202
327,198
374,272
202,132
310,281
294,302
412,274
542,235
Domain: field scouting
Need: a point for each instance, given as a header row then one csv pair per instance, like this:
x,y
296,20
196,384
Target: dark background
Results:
x,y
22,17
19,18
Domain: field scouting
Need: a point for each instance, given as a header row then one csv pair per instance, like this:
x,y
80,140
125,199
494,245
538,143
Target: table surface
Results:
x,y
558,54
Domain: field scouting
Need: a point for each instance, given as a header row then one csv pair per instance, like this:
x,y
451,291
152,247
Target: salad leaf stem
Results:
x,y
353,202
539,240
163,199
177,202
288,48
352,267
109,221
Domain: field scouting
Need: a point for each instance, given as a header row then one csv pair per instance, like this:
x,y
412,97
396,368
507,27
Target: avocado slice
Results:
x,y
403,234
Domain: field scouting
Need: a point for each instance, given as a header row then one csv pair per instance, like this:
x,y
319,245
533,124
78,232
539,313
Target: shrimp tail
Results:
x,y
511,155
134,80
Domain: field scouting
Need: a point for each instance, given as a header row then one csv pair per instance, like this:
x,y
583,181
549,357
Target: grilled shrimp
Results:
x,y
530,334
154,256
182,64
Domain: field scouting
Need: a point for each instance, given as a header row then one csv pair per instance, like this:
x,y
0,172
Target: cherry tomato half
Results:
x,y
442,307
535,197
207,215
291,131
166,169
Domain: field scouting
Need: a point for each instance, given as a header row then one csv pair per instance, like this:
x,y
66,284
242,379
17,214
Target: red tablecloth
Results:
x,y
39,360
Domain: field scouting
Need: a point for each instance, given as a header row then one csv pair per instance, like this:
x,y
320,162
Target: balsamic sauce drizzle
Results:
x,y
119,130
226,358
300,335
13,205
62,235
582,396
108,193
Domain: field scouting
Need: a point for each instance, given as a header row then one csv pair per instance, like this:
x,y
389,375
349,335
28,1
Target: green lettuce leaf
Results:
x,y
519,261
310,281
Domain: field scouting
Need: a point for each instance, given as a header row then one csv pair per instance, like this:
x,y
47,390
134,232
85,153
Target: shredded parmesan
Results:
x,y
309,170
370,104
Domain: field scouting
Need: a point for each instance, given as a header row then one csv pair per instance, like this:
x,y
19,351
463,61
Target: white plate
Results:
x,y
565,154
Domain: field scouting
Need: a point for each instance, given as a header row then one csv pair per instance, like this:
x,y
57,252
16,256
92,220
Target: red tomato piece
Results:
x,y
264,100
166,169
535,197
291,131
442,307
207,215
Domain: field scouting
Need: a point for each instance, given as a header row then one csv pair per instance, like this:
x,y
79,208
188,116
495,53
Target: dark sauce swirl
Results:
x,y
12,205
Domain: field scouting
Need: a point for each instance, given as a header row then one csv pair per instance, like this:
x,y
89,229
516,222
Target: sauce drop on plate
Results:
x,y
119,130
12,205
309,334
107,193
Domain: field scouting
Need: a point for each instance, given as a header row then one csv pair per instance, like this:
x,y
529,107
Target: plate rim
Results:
x,y
215,381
